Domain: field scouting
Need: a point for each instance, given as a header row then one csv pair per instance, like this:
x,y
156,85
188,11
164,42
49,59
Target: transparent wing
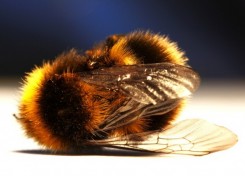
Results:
x,y
190,137
150,89
147,83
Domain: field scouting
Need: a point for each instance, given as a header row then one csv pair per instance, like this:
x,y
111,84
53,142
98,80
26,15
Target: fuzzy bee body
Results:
x,y
128,88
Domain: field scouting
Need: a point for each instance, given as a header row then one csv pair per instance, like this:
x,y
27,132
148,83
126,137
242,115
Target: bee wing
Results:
x,y
150,89
189,137
147,83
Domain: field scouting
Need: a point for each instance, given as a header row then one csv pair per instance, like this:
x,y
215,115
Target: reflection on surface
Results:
x,y
219,102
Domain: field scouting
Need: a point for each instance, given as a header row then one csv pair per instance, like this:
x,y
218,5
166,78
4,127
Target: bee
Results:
x,y
125,92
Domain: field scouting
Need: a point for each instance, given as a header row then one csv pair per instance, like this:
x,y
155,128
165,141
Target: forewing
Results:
x,y
150,89
189,137
147,83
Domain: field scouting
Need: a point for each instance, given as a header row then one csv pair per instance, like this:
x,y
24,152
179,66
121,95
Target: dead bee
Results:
x,y
125,92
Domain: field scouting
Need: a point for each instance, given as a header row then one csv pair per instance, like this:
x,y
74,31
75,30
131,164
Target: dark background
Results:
x,y
211,32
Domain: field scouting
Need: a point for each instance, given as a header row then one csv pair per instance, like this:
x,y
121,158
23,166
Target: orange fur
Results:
x,y
98,109
31,119
121,55
172,53
136,126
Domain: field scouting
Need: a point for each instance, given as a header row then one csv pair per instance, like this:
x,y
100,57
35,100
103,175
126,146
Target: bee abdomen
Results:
x,y
62,109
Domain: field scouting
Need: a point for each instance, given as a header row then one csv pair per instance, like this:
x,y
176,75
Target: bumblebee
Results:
x,y
124,92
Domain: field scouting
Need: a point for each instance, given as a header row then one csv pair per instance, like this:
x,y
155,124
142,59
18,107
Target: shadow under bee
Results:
x,y
99,151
